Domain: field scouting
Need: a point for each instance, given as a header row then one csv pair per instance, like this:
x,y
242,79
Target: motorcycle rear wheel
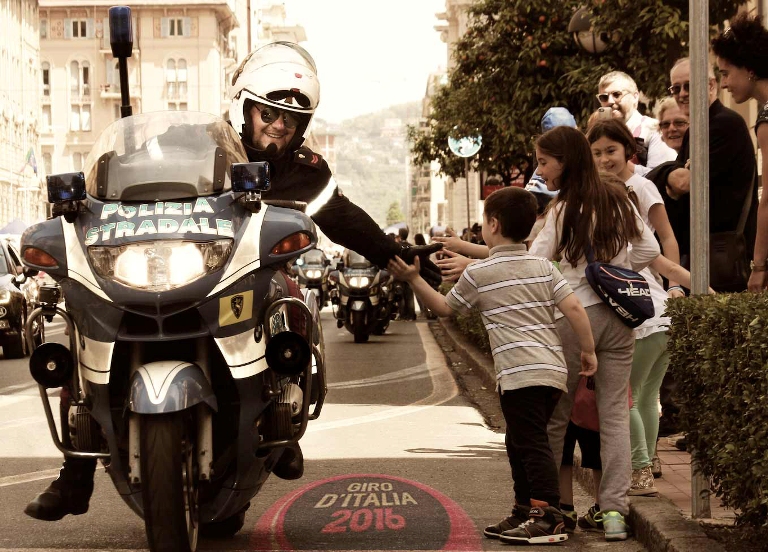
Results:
x,y
359,326
169,482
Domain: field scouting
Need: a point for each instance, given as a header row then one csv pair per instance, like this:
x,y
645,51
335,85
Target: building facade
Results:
x,y
181,59
21,173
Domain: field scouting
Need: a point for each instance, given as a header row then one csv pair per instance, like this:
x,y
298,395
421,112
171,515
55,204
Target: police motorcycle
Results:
x,y
311,270
362,297
193,362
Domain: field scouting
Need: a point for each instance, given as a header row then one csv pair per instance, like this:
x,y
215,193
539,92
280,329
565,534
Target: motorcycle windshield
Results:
x,y
161,156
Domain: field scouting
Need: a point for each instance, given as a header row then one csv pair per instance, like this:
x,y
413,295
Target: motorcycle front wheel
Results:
x,y
169,482
359,326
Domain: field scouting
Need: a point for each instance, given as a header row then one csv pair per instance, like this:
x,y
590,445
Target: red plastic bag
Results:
x,y
584,411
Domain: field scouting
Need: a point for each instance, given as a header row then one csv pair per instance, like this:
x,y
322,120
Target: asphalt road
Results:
x,y
399,460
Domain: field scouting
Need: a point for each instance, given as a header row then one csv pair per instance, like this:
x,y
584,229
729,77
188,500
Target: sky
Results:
x,y
369,54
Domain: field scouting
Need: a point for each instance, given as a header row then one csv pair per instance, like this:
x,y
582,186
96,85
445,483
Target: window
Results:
x,y
80,117
77,161
47,118
43,28
79,28
48,163
177,106
46,74
175,26
176,79
79,79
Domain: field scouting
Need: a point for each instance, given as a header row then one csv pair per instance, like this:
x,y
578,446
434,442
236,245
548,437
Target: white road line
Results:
x,y
414,372
28,477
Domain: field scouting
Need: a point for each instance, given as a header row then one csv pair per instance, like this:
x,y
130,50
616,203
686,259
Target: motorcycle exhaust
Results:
x,y
51,365
288,353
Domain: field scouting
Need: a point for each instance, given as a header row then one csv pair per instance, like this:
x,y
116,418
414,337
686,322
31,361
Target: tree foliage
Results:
x,y
394,213
517,59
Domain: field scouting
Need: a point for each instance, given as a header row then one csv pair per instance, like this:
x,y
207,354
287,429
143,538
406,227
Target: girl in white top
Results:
x,y
612,147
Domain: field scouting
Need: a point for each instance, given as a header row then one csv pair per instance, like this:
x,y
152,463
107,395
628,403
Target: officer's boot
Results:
x,y
290,465
70,493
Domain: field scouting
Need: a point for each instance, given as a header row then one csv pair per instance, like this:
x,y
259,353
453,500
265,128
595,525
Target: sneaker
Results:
x,y
673,439
543,527
587,522
519,515
570,519
616,529
656,467
642,483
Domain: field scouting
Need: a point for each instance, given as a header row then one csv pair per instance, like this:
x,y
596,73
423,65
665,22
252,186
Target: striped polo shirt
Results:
x,y
516,294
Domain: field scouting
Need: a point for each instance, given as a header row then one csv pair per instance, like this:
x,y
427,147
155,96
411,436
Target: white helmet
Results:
x,y
280,74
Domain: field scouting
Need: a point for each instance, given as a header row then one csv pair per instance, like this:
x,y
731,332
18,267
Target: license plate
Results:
x,y
4,324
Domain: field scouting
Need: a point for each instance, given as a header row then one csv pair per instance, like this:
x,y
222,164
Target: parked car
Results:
x,y
18,295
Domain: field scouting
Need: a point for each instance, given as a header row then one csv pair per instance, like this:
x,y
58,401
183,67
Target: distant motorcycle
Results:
x,y
362,296
311,270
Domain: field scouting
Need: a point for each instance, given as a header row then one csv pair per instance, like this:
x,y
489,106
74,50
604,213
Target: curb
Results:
x,y
656,522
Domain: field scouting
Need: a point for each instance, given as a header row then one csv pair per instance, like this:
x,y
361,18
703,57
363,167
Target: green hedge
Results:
x,y
719,356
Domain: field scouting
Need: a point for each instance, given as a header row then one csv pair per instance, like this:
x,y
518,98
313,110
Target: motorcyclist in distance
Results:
x,y
274,94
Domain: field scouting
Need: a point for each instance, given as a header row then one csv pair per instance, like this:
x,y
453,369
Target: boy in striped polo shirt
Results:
x,y
516,294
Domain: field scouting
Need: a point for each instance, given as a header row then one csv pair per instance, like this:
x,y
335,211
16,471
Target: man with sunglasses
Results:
x,y
274,95
619,92
731,167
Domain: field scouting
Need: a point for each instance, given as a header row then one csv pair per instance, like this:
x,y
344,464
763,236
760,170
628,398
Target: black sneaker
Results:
x,y
519,515
544,526
570,519
587,522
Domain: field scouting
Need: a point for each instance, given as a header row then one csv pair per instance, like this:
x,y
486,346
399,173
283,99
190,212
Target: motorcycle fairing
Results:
x,y
169,386
95,358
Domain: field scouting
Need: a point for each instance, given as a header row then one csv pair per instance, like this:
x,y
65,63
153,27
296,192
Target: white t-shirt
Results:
x,y
644,250
648,196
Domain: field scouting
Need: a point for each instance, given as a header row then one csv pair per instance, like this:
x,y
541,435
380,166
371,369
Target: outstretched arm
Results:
x,y
433,299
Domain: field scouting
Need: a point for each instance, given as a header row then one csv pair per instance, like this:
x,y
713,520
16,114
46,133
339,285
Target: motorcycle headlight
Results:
x,y
358,281
5,296
313,273
159,265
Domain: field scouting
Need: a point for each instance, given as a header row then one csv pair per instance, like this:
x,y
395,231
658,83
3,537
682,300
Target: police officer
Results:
x,y
274,95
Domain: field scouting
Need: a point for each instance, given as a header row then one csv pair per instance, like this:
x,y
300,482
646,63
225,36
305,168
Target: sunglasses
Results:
x,y
677,123
616,95
676,88
271,114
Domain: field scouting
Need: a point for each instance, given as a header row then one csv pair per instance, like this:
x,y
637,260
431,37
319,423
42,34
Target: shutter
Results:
x,y
134,30
109,73
105,26
67,28
90,28
164,27
187,26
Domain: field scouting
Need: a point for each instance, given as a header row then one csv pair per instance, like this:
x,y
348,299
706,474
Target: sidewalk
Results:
x,y
661,524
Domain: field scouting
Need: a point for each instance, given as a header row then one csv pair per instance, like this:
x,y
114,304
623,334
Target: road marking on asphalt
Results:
x,y
406,374
443,389
33,476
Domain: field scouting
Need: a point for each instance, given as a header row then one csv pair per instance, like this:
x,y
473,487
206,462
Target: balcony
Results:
x,y
112,91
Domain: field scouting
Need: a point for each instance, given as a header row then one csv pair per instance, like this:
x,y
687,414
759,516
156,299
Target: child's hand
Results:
x,y
451,241
588,364
403,271
453,264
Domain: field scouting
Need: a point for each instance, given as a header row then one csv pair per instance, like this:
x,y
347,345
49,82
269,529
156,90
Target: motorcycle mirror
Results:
x,y
30,272
250,177
339,266
326,262
66,187
120,31
18,280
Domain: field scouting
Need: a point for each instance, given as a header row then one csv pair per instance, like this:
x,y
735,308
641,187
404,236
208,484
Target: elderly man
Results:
x,y
731,166
618,91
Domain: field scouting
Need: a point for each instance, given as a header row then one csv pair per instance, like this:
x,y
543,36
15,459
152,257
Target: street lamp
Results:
x,y
466,147
587,38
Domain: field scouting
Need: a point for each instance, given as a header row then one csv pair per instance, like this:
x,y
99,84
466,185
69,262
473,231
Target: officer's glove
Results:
x,y
429,270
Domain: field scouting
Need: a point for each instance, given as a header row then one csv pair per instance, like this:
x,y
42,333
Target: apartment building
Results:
x,y
20,172
182,59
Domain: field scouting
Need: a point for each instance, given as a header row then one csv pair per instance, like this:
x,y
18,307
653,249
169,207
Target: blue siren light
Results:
x,y
66,187
120,31
250,177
